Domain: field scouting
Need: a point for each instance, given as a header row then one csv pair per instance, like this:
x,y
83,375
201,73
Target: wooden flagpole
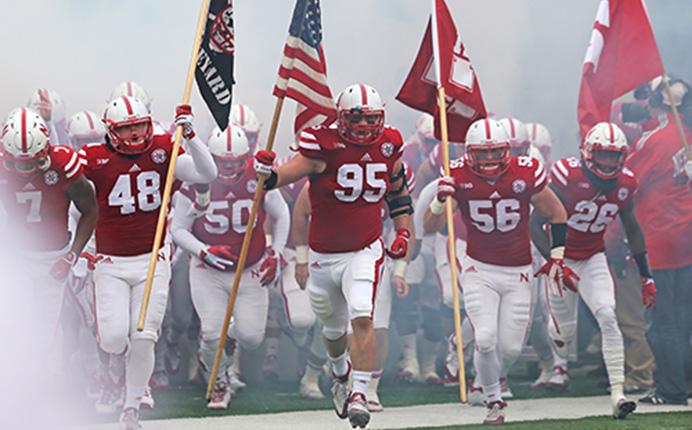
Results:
x,y
165,198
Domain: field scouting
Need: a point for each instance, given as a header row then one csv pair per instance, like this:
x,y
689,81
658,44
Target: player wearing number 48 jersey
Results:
x,y
595,190
493,192
353,168
128,172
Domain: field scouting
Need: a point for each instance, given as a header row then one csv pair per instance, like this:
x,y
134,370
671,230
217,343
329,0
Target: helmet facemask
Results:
x,y
489,160
132,136
231,168
28,166
360,125
606,163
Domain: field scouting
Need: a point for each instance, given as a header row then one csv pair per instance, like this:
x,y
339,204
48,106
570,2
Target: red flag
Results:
x,y
463,95
303,70
622,55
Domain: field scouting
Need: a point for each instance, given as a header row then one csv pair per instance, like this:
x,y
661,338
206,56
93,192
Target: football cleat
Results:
x,y
475,395
160,380
358,413
129,419
559,380
505,392
543,378
221,396
373,402
495,413
623,407
409,370
234,380
340,393
147,401
310,389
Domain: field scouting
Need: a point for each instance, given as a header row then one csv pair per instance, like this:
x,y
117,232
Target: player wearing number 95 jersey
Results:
x,y
214,238
38,181
595,190
128,172
353,168
493,192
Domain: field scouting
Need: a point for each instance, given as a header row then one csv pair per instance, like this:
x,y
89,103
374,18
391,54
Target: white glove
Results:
x,y
688,169
183,117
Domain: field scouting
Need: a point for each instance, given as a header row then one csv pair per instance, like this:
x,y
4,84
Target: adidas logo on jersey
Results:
x,y
366,157
102,161
28,187
601,198
230,195
471,269
135,168
495,195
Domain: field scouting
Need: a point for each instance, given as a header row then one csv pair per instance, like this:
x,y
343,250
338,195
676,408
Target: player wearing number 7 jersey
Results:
x,y
493,192
595,190
128,172
353,168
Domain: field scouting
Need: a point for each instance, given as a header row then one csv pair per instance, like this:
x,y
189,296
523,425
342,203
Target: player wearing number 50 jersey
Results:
x,y
493,192
37,183
214,239
595,190
353,168
128,172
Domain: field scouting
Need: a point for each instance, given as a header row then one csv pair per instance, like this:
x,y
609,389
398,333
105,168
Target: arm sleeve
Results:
x,y
182,226
196,165
424,199
276,207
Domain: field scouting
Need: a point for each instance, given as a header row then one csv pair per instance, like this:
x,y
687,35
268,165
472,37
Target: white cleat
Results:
x,y
234,380
495,413
623,407
542,381
221,396
147,401
310,389
559,380
358,413
340,394
409,370
129,419
505,392
373,402
475,395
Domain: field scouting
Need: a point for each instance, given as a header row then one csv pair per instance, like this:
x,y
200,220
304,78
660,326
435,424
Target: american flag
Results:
x,y
303,70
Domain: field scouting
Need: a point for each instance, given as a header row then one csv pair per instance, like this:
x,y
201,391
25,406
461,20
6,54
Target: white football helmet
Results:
x,y
487,148
128,125
85,127
25,142
539,136
518,137
425,128
360,114
45,100
245,118
231,152
132,89
604,150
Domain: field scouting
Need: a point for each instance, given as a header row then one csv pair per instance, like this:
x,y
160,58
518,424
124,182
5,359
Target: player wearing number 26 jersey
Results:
x,y
594,191
493,192
128,172
353,168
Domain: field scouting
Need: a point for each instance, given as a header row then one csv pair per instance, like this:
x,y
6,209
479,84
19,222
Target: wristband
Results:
x,y
400,268
301,254
557,253
437,207
268,239
271,181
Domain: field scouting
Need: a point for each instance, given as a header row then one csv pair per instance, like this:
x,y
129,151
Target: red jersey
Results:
x,y
436,159
496,214
37,206
226,220
128,191
346,199
663,203
589,210
414,154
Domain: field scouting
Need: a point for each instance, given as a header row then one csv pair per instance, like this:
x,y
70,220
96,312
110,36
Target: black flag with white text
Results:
x,y
214,72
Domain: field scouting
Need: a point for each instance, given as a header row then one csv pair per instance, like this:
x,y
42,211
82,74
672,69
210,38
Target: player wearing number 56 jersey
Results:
x,y
595,190
214,239
37,183
353,168
493,192
128,172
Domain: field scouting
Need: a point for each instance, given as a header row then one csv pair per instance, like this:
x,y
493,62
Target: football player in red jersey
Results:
x,y
494,191
214,239
352,167
595,190
38,181
128,172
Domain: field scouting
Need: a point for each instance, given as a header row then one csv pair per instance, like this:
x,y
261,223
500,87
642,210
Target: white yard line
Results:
x,y
403,417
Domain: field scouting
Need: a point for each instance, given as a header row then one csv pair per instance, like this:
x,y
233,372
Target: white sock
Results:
x,y
488,369
361,379
139,367
339,364
133,396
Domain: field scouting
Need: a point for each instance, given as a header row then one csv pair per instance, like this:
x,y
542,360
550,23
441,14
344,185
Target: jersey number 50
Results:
x,y
350,177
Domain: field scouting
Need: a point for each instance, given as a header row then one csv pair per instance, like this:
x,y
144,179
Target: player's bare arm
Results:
x,y
296,168
539,235
84,198
300,222
635,238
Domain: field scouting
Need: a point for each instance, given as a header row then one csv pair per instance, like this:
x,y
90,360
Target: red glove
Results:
x,y
91,259
62,267
270,268
399,247
264,162
220,257
183,118
648,292
559,275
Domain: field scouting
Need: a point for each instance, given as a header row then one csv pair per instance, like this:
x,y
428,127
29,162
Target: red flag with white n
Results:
x,y
622,55
463,94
